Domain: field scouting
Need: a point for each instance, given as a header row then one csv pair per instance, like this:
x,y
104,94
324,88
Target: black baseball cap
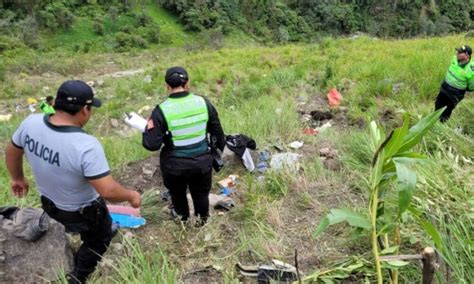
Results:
x,y
176,76
464,49
76,92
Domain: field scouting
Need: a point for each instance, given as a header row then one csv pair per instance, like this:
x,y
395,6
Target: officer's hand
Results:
x,y
135,200
20,187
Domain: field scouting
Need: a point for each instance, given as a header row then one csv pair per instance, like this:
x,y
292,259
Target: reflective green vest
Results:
x,y
187,118
46,108
461,78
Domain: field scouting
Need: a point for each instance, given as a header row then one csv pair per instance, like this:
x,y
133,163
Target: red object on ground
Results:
x,y
334,97
126,210
310,131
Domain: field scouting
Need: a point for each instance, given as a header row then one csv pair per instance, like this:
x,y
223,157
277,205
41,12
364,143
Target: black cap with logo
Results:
x,y
465,49
76,92
176,76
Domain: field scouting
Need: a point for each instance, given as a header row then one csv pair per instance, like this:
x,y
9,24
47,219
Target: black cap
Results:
x,y
176,76
465,49
76,92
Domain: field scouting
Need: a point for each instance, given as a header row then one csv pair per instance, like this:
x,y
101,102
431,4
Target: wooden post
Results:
x,y
429,265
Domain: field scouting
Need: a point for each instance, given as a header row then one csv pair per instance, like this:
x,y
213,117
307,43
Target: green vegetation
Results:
x,y
391,162
284,21
259,91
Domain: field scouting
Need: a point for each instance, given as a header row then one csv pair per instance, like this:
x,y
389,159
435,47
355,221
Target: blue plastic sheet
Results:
x,y
127,221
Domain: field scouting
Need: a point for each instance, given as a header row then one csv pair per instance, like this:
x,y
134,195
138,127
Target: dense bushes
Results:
x,y
22,21
293,20
125,24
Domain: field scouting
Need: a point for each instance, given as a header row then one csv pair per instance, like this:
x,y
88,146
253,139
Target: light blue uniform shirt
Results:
x,y
63,160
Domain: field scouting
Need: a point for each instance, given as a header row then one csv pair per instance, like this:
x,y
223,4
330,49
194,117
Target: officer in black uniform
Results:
x,y
182,123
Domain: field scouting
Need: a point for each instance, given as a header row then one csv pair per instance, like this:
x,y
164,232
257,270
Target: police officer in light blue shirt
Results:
x,y
71,172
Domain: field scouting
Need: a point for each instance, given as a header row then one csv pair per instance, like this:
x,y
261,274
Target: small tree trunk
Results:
x,y
429,265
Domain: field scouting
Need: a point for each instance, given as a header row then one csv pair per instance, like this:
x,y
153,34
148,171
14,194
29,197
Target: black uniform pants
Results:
x,y
199,185
448,100
94,226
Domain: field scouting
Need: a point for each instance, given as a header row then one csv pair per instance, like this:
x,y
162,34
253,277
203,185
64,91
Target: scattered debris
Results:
x,y
330,159
458,130
143,109
225,191
321,115
127,221
147,79
114,122
310,131
296,144
262,162
397,87
5,117
323,127
334,97
230,182
31,101
287,161
277,270
208,274
306,117
148,169
328,153
123,210
225,204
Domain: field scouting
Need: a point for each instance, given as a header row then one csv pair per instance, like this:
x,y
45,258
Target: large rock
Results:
x,y
34,262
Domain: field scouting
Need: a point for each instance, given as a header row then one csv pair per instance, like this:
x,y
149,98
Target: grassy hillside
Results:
x,y
262,92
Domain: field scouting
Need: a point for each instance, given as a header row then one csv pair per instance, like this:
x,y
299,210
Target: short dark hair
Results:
x,y
49,98
69,108
176,77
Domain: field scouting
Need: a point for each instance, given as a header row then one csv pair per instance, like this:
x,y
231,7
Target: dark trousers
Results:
x,y
199,185
448,100
94,226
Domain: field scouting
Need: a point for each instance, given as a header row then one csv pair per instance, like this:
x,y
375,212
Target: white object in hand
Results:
x,y
135,121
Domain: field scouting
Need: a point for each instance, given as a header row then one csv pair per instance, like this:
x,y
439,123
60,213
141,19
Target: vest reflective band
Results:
x,y
459,77
186,118
46,108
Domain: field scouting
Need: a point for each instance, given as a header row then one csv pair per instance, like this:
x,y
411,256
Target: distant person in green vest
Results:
x,y
182,123
46,106
459,79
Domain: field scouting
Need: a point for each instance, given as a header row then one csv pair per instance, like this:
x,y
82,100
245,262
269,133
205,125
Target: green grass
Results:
x,y
172,32
80,32
255,91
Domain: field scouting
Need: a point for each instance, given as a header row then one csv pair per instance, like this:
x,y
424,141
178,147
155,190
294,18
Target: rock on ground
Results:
x,y
34,262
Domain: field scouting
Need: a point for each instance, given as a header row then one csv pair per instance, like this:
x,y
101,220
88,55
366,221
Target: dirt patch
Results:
x,y
202,275
302,213
390,118
143,175
315,112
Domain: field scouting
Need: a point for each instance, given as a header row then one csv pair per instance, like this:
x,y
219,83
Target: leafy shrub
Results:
x,y
98,27
2,72
124,41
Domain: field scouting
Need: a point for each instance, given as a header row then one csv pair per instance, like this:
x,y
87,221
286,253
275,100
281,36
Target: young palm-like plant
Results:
x,y
391,164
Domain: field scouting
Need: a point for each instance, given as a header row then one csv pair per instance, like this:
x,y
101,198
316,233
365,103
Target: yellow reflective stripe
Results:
x,y
189,130
188,120
190,141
